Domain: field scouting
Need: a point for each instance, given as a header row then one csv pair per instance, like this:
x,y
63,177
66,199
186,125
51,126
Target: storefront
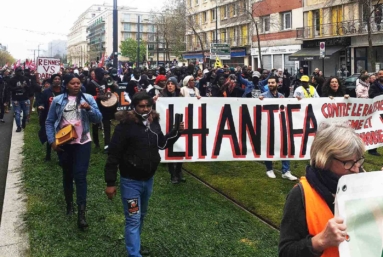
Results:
x,y
337,56
275,57
359,53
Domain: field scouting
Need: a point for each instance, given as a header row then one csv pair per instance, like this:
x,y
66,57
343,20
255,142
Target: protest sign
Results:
x,y
233,129
122,103
46,67
359,201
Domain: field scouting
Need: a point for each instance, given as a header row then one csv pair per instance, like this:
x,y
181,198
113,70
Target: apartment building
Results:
x,y
100,34
342,25
277,22
77,37
218,21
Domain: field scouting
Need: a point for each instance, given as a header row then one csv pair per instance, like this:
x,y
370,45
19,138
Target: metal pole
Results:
x,y
138,42
51,50
115,35
158,54
216,21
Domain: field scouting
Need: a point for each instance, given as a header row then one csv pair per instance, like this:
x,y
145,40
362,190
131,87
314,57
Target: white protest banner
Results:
x,y
234,129
359,201
46,67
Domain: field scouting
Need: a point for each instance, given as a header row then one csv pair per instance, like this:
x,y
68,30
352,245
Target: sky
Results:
x,y
27,25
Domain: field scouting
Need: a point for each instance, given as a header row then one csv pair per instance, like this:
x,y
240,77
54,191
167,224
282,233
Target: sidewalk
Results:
x,y
13,236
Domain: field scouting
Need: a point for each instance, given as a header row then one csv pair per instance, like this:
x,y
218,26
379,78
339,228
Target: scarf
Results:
x,y
324,182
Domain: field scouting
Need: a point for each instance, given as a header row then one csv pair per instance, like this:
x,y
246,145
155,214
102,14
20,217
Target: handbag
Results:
x,y
65,135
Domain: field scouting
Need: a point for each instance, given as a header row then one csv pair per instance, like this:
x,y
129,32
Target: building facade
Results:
x,y
100,34
277,22
77,37
213,21
342,26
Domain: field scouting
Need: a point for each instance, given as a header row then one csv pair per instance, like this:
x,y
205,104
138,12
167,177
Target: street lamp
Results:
x,y
138,39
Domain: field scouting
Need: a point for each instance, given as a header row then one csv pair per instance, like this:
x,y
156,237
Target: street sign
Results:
x,y
322,50
221,51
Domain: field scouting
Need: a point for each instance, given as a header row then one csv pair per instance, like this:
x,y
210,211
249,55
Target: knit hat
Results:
x,y
186,80
256,74
159,78
54,76
173,80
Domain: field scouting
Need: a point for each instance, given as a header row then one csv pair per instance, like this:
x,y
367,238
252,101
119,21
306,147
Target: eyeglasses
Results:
x,y
349,164
191,80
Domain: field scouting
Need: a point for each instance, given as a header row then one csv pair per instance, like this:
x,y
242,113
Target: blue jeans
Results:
x,y
285,166
135,196
19,106
75,162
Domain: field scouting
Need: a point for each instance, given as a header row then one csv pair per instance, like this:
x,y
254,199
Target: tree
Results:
x,y
129,49
6,57
171,27
372,14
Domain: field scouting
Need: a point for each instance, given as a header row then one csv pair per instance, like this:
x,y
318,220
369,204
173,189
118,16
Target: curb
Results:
x,y
14,239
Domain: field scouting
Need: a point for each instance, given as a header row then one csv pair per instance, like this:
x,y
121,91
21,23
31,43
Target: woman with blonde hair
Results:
x,y
308,226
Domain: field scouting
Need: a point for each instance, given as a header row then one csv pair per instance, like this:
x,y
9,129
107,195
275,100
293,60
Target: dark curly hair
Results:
x,y
327,91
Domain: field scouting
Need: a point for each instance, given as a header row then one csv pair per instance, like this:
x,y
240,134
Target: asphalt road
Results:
x,y
5,146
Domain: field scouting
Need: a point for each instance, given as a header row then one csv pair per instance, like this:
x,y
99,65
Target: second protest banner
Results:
x,y
46,67
232,129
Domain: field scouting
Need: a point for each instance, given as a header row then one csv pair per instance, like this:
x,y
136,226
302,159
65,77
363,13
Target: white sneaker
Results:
x,y
289,176
270,174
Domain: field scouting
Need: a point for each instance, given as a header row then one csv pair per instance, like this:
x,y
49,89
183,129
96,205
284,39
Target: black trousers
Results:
x,y
2,109
107,129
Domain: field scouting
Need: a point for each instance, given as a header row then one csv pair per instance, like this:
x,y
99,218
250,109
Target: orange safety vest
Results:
x,y
317,214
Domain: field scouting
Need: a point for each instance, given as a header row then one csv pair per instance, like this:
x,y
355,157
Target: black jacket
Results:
x,y
45,100
375,90
19,91
134,148
4,93
283,85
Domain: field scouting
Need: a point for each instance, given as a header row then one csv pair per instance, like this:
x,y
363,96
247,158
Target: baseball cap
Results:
x,y
256,74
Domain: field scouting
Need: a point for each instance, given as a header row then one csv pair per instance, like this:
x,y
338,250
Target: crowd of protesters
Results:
x,y
76,96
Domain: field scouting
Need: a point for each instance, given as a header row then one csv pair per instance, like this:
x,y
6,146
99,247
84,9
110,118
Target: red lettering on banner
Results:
x,y
372,137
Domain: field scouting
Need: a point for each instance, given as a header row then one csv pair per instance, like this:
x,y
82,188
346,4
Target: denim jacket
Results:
x,y
52,124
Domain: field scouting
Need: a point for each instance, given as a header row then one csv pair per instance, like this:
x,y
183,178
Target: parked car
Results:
x,y
350,85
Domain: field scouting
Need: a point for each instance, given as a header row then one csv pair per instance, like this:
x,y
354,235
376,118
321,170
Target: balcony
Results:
x,y
233,42
339,29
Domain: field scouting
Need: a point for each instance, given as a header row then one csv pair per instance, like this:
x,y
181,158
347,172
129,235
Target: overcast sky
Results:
x,y
21,19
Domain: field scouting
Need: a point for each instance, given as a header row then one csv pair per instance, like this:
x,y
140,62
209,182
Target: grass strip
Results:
x,y
248,184
183,220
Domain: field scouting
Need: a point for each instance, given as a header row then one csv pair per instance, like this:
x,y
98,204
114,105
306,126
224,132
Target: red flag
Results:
x,y
32,65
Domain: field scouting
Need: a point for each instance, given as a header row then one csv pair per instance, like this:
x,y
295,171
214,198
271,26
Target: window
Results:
x,y
223,36
212,15
235,9
204,17
126,17
196,2
127,27
127,35
212,33
223,12
266,24
286,20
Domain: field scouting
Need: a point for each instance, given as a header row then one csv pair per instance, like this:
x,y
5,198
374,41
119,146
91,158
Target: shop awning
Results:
x,y
308,54
193,56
